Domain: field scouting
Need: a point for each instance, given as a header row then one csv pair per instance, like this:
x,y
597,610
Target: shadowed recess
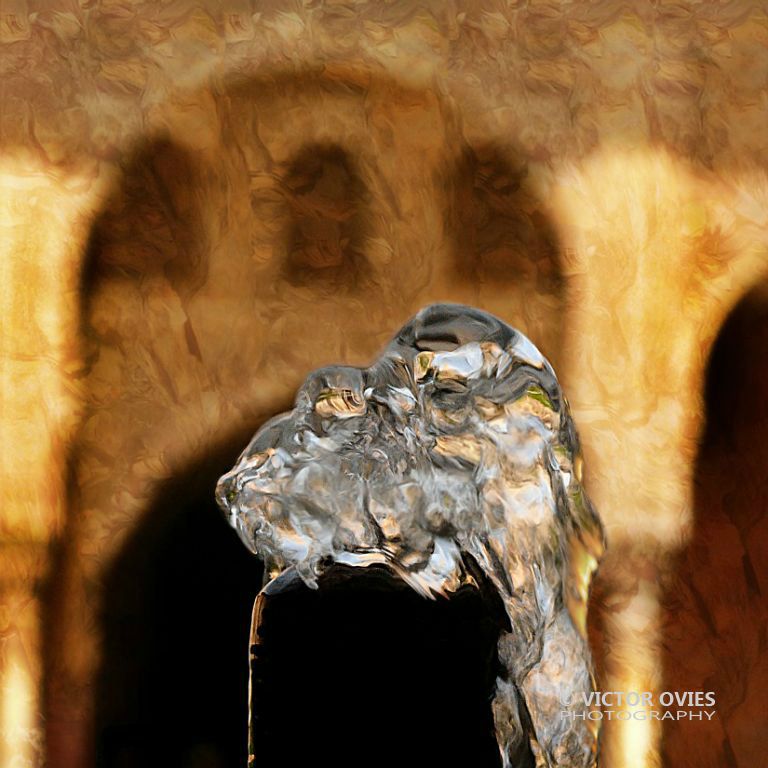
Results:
x,y
172,688
326,232
153,223
364,671
502,232
716,613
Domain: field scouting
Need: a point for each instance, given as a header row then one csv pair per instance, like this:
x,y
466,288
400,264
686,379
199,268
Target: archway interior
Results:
x,y
365,671
172,691
716,612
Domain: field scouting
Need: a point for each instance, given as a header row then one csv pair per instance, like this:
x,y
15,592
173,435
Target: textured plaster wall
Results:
x,y
201,201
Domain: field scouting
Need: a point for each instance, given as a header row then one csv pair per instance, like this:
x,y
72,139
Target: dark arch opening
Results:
x,y
501,230
716,611
173,686
365,671
327,202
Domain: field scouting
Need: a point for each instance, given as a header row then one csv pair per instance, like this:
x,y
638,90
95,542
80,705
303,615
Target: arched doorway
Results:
x,y
172,688
716,600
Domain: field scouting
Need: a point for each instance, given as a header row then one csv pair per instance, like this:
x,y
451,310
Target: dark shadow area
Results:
x,y
716,611
172,690
364,671
505,253
153,222
326,200
501,230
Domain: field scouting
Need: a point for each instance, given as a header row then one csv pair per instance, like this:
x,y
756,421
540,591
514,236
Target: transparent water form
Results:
x,y
450,464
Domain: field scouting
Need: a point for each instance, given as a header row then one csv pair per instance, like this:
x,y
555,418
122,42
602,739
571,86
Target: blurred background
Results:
x,y
202,201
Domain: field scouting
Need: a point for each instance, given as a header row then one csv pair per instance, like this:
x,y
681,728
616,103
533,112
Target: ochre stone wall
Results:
x,y
202,201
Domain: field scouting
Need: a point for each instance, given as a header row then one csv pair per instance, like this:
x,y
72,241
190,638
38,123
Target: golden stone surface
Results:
x,y
201,202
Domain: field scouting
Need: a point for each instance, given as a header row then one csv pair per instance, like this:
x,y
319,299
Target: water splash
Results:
x,y
455,450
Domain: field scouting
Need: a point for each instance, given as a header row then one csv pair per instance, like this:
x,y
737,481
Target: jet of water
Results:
x,y
454,451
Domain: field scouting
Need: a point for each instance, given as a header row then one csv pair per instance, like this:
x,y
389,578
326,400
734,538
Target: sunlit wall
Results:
x,y
201,201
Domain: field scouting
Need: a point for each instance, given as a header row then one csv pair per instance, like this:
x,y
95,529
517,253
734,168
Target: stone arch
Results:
x,y
191,329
